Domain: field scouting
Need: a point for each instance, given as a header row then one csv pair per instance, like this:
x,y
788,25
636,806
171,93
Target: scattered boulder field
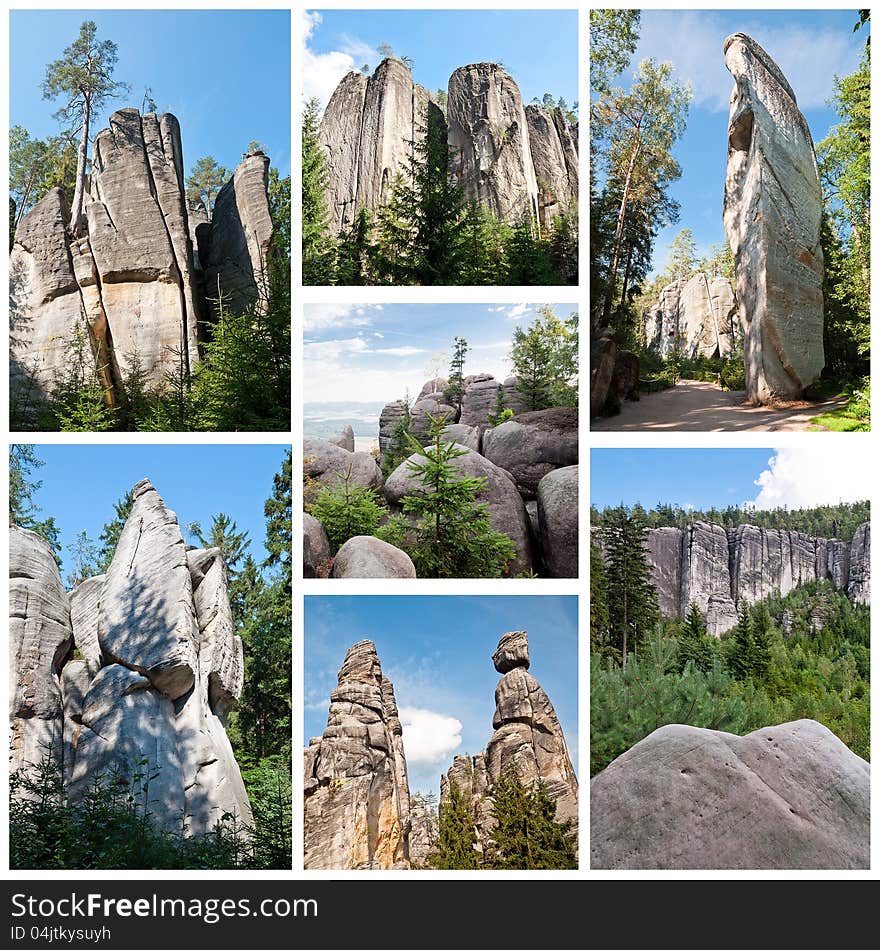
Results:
x,y
529,463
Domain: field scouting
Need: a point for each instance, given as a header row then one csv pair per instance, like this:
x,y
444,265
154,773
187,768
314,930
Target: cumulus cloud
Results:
x,y
805,477
322,316
400,350
693,41
322,71
334,349
428,737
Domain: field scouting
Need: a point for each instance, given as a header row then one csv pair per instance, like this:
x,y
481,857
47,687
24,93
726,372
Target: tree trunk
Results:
x,y
81,157
626,275
618,234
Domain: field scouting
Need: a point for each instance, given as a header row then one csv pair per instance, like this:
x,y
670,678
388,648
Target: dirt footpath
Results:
x,y
694,406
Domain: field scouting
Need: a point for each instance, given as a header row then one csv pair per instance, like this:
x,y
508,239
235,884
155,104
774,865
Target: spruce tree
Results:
x,y
527,836
23,510
457,836
455,389
110,533
693,644
317,244
632,598
598,599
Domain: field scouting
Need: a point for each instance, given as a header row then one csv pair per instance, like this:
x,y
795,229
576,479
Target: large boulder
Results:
x,y
558,521
785,797
469,436
625,380
772,215
603,357
316,546
480,399
507,512
392,414
345,439
329,464
366,556
532,444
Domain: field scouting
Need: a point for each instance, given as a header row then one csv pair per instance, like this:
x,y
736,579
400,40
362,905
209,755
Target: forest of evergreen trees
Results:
x,y
638,113
428,233
804,655
110,828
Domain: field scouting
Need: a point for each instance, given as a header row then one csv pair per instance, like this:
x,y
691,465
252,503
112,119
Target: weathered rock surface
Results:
x,y
480,399
469,436
366,133
345,439
240,239
527,739
553,147
328,463
695,316
390,416
355,783
134,281
532,444
424,831
489,137
366,556
625,378
507,512
603,354
772,215
785,797
40,638
316,546
160,669
718,570
558,521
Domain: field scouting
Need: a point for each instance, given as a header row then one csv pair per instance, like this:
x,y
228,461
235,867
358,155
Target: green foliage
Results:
x,y
36,166
455,388
501,412
682,260
84,557
614,35
453,536
204,182
823,521
398,450
855,416
457,836
23,510
545,360
346,510
112,530
317,251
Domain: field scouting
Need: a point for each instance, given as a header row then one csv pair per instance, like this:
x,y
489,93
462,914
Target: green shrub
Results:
x,y
346,510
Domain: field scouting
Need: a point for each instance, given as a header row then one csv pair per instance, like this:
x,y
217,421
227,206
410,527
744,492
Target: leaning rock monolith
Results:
x,y
772,215
355,782
784,797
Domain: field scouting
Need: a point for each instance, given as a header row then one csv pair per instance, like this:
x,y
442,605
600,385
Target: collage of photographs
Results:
x,y
419,700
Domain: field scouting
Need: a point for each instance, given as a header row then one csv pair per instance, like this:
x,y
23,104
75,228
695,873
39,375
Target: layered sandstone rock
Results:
x,y
772,215
558,521
553,148
527,741
696,316
161,667
327,463
784,797
480,399
718,570
355,781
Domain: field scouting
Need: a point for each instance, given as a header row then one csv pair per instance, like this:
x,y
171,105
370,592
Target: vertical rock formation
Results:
x,y
480,399
694,316
134,283
554,151
391,414
527,739
239,242
367,134
718,570
489,136
772,214
160,669
424,831
355,781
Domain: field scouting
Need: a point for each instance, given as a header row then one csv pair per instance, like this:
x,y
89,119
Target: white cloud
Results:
x,y
428,736
334,349
322,72
805,477
693,41
517,311
321,316
400,350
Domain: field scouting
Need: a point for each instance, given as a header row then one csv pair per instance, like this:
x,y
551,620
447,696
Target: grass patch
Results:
x,y
855,416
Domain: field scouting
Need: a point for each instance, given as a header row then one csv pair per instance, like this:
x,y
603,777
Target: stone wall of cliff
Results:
x,y
695,316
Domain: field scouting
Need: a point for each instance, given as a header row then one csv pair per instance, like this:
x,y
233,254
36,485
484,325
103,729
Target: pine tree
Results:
x,y
740,660
23,510
112,530
455,389
500,413
682,261
483,258
84,554
204,182
355,252
317,244
394,237
693,644
598,599
453,534
632,598
346,510
527,836
457,836
224,534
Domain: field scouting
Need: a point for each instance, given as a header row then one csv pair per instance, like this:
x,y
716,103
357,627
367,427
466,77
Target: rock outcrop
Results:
x,y
480,399
785,797
695,316
772,215
160,669
718,570
517,161
603,357
366,556
558,521
355,781
131,288
328,464
527,740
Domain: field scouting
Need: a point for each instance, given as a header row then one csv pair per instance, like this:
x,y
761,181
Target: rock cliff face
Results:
x,y
527,739
718,570
789,796
696,316
772,215
355,781
133,282
518,161
159,672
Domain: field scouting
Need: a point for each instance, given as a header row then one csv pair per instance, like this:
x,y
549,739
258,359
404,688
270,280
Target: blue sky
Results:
x,y
703,478
81,483
810,46
539,48
362,353
225,74
437,651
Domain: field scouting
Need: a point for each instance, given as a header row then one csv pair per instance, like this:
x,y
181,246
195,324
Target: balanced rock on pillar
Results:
x,y
772,215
